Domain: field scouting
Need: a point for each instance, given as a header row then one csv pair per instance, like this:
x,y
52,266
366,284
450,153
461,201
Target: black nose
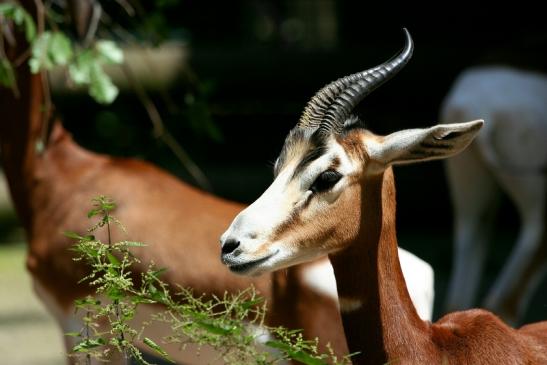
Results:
x,y
229,246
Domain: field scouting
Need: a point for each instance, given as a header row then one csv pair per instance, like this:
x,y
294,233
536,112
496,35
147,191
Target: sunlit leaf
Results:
x,y
20,17
79,69
89,344
113,260
101,87
72,235
109,51
214,329
39,53
298,355
59,49
154,346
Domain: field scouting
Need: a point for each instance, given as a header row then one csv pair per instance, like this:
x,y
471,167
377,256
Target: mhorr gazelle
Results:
x,y
334,195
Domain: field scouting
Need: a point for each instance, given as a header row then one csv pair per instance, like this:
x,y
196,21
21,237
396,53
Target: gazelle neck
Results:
x,y
379,318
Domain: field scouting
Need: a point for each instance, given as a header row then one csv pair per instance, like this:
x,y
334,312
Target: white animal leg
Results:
x,y
474,196
522,271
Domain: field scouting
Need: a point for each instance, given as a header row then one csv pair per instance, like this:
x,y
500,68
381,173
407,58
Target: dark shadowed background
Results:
x,y
254,65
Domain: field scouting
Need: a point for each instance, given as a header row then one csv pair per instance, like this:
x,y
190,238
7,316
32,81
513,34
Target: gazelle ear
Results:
x,y
413,145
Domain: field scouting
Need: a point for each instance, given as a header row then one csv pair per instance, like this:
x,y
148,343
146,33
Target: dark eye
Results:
x,y
325,181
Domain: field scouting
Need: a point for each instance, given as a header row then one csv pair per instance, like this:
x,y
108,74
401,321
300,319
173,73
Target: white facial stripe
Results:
x,y
262,216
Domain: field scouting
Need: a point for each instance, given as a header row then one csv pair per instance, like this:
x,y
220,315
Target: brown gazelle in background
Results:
x,y
334,195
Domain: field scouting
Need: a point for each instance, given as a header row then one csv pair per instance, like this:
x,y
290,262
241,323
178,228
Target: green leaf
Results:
x,y
89,344
113,260
217,330
30,27
115,294
297,355
6,8
148,342
20,17
251,303
73,334
101,87
137,299
87,69
59,49
39,53
73,235
93,212
7,75
109,51
79,69
157,273
86,301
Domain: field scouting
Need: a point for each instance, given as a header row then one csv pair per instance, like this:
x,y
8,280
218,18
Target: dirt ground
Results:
x,y
28,334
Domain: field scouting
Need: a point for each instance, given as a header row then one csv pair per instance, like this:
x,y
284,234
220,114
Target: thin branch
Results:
x,y
162,133
93,23
40,16
22,58
127,7
6,30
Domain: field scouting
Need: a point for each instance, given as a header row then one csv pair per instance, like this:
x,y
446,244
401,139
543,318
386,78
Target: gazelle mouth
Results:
x,y
245,268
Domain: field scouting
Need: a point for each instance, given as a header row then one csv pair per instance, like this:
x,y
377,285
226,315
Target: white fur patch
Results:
x,y
419,277
319,276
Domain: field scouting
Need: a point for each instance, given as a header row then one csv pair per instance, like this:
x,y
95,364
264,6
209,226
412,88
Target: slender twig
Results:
x,y
7,32
49,20
121,337
127,7
93,23
88,318
161,132
22,58
40,15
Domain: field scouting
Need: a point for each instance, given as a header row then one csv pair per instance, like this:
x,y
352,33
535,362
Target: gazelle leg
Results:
x,y
474,196
522,272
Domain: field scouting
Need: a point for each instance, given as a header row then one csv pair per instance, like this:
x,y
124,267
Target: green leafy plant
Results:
x,y
232,325
49,49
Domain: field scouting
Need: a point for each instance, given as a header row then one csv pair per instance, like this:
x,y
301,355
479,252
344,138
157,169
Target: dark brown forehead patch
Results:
x,y
301,144
352,143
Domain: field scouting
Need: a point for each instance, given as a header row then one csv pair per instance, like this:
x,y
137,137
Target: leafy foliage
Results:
x,y
20,17
50,49
232,325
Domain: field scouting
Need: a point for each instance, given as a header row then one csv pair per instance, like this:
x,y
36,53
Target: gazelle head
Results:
x,y
312,208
